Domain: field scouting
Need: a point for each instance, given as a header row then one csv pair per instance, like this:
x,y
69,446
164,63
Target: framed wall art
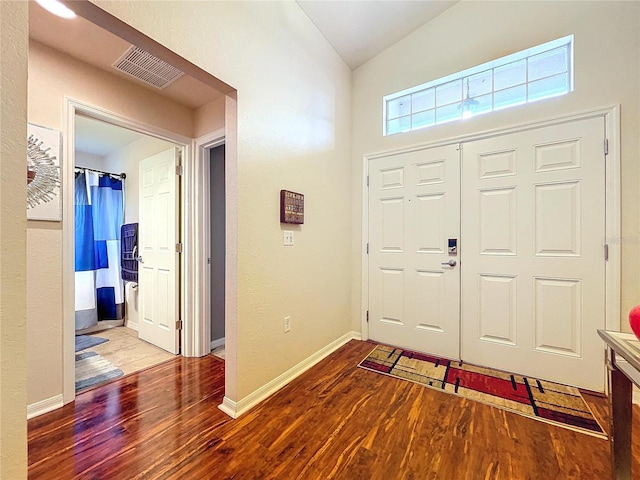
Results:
x,y
44,148
291,207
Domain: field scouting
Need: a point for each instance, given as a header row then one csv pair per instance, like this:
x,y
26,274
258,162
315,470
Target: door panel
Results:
x,y
413,299
497,315
158,285
497,221
533,268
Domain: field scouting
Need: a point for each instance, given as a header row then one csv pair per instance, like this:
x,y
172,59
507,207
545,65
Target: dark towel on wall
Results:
x,y
129,247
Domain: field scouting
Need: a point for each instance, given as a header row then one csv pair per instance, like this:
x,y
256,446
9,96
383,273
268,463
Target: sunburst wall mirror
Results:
x,y
43,174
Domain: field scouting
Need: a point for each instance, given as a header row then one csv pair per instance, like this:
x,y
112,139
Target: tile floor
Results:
x,y
218,352
127,352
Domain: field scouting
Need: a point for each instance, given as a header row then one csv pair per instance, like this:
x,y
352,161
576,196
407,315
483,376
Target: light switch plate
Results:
x,y
287,238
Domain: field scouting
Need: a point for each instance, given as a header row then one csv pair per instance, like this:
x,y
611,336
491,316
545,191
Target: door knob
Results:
x,y
139,259
450,263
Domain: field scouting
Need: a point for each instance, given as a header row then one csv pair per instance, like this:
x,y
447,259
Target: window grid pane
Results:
x,y
542,75
423,119
423,100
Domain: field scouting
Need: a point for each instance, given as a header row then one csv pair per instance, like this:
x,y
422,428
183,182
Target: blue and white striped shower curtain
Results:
x,y
98,217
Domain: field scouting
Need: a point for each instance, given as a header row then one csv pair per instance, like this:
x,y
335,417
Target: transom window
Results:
x,y
533,74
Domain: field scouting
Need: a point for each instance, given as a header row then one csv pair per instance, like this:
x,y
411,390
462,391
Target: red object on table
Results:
x,y
634,320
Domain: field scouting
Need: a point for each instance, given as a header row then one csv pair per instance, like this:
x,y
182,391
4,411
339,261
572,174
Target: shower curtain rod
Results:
x,y
121,175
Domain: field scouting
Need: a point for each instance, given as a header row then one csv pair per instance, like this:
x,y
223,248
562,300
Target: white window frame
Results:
x,y
461,75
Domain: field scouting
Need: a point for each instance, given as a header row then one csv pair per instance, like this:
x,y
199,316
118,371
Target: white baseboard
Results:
x,y
217,343
235,409
132,325
44,406
229,407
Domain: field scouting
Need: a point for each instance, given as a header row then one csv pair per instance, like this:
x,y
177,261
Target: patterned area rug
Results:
x,y
87,341
92,369
550,402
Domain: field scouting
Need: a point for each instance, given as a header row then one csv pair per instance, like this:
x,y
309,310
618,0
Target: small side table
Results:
x,y
623,365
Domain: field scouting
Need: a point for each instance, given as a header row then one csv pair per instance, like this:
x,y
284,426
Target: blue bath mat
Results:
x,y
87,341
92,369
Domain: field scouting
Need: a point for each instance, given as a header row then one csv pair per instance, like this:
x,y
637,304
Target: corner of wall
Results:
x,y
235,409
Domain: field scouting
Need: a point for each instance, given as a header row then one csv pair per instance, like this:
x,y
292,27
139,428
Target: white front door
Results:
x,y
533,268
414,205
158,235
531,252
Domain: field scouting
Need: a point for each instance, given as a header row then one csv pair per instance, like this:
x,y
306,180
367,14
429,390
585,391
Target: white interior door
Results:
x,y
158,235
533,272
414,208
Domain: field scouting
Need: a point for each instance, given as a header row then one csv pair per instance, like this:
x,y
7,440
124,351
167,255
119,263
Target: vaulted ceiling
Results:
x,y
360,29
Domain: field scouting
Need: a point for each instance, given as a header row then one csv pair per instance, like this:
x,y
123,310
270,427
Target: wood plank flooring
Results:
x,y
335,421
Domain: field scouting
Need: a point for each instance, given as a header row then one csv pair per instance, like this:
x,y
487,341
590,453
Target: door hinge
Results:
x,y
178,324
606,146
606,251
367,248
367,316
179,170
367,180
179,247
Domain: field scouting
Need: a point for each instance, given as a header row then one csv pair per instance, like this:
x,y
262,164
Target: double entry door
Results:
x,y
492,251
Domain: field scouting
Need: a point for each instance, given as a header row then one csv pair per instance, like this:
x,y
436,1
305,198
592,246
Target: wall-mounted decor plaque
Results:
x,y
44,147
291,207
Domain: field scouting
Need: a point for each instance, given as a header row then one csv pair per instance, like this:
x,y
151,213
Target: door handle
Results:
x,y
450,263
139,259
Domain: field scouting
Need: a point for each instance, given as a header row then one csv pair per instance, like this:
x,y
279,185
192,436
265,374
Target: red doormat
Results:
x,y
546,401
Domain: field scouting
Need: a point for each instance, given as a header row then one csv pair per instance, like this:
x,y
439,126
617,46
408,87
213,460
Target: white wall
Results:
x,y
607,64
89,160
293,133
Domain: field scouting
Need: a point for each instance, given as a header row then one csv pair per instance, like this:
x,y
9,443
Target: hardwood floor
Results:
x,y
334,421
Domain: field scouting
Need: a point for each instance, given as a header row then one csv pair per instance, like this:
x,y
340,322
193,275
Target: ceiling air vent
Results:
x,y
144,66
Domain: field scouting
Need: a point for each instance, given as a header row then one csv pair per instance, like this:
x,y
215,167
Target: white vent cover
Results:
x,y
144,66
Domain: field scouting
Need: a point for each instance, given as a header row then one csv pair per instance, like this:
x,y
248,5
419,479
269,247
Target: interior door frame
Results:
x,y
72,108
611,118
199,343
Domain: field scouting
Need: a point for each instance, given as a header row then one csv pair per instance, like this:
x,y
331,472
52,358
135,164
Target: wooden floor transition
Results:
x,y
336,421
128,352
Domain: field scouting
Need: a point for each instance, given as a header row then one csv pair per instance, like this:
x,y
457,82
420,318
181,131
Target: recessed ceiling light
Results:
x,y
57,8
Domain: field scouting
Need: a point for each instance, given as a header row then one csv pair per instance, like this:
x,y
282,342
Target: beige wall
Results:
x,y
13,135
293,133
52,76
209,117
470,33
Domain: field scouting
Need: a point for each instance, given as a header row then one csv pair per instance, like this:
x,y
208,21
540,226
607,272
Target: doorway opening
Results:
x,y
122,107
217,248
114,335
